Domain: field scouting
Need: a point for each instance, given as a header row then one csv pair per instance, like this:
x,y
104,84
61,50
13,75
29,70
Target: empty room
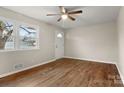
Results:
x,y
61,46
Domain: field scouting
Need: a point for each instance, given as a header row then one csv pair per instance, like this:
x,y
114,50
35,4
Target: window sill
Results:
x,y
20,50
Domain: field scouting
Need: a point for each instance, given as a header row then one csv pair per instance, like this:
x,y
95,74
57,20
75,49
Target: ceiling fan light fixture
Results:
x,y
64,16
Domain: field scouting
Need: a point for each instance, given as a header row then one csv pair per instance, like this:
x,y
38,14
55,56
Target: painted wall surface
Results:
x,y
29,57
97,42
121,41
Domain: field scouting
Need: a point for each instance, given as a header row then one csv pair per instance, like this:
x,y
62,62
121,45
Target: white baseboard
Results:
x,y
13,72
121,75
108,62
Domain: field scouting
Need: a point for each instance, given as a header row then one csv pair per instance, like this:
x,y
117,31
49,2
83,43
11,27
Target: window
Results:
x,y
27,37
18,36
6,35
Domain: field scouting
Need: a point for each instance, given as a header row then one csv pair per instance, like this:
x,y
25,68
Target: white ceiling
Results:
x,y
91,14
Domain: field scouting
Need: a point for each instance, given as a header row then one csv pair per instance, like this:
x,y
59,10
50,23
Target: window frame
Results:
x,y
37,36
16,27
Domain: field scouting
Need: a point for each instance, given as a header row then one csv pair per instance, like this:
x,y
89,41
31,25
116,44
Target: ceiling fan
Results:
x,y
64,14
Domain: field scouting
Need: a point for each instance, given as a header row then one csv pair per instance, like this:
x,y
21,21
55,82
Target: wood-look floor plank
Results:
x,y
66,73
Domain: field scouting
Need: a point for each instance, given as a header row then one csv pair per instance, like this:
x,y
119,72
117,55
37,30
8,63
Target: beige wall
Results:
x,y
97,42
121,41
30,57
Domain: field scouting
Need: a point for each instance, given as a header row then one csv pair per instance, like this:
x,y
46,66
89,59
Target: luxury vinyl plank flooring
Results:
x,y
66,73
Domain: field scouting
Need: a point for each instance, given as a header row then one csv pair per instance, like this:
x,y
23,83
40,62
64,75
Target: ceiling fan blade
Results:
x,y
72,18
52,14
62,9
75,12
59,19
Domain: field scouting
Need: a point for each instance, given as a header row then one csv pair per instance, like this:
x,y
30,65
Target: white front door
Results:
x,y
59,44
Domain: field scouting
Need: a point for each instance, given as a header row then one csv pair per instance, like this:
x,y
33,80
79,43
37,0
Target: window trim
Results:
x,y
37,36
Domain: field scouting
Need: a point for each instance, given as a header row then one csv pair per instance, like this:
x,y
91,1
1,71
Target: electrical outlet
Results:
x,y
18,66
